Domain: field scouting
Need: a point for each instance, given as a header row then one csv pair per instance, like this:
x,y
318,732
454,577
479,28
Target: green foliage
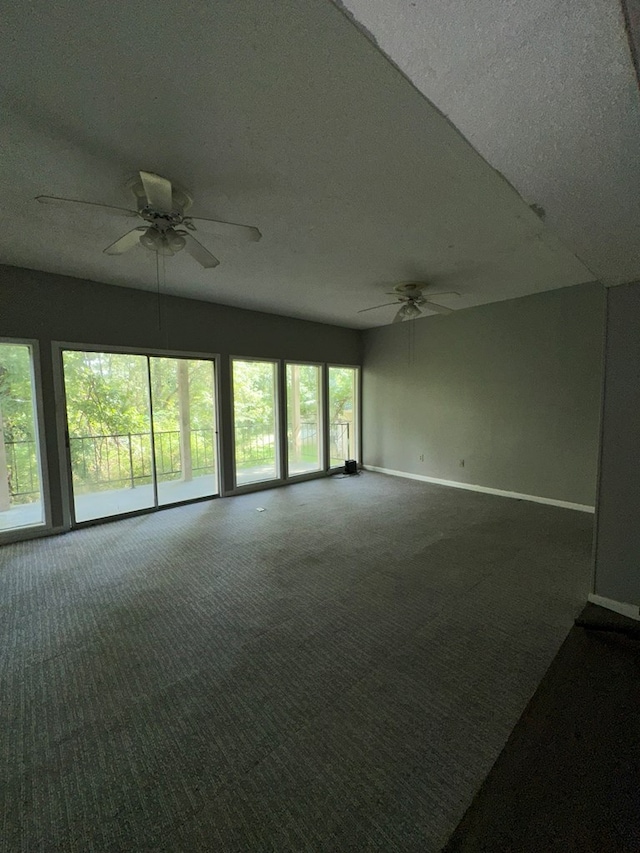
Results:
x,y
109,414
16,400
342,387
106,393
254,395
341,393
254,408
17,420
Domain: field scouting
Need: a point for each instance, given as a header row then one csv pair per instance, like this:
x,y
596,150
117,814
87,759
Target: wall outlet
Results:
x,y
422,457
462,463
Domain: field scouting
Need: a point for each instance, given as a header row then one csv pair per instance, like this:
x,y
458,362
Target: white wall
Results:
x,y
512,388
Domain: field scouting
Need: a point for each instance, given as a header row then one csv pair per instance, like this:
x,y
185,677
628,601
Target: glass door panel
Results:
x,y
304,419
109,426
254,421
21,501
184,432
343,419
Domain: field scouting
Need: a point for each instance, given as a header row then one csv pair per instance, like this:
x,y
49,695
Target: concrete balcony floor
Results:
x,y
104,504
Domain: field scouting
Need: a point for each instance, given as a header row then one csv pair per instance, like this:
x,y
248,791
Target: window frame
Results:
x,y
45,527
58,347
357,411
322,406
279,479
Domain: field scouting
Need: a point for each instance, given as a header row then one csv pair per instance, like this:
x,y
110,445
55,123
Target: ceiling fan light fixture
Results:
x,y
166,244
410,310
174,240
151,239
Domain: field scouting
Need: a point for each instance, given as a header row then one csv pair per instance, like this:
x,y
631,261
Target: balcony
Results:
x,y
113,474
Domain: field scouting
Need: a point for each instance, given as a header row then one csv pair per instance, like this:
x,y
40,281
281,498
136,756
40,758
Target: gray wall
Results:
x,y
56,308
617,574
513,388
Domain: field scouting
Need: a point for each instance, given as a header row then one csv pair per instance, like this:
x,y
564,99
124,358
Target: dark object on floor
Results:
x,y
350,466
567,779
598,619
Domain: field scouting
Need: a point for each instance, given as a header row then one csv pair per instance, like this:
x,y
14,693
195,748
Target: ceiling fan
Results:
x,y
162,206
409,295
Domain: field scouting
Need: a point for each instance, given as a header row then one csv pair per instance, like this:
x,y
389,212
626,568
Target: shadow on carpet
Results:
x,y
568,778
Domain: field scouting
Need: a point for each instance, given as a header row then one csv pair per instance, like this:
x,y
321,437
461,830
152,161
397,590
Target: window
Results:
x,y
343,414
184,428
304,419
255,421
141,431
21,494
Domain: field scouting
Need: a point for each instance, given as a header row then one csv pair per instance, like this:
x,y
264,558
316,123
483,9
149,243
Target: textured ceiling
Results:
x,y
275,113
546,92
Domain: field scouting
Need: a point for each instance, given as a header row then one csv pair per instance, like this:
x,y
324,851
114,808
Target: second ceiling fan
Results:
x,y
412,301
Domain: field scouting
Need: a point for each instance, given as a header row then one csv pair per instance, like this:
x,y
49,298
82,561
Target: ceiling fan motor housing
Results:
x,y
410,287
181,202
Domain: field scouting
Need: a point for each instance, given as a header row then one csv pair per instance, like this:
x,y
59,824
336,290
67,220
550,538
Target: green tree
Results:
x,y
341,393
19,453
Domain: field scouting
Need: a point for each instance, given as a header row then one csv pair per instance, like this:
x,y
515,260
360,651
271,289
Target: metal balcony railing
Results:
x,y
103,461
255,446
106,460
22,469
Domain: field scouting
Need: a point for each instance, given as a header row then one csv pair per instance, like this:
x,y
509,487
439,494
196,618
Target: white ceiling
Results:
x,y
545,90
275,113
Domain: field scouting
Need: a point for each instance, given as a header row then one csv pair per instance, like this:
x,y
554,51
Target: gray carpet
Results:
x,y
338,672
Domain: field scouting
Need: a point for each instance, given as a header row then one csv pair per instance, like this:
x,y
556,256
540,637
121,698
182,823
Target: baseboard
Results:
x,y
630,610
486,489
24,534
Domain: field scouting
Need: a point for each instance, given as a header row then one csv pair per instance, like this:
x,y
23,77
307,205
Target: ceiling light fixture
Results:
x,y
166,243
410,309
151,239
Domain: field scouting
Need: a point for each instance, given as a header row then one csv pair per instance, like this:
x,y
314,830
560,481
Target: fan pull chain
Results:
x,y
412,343
158,303
164,290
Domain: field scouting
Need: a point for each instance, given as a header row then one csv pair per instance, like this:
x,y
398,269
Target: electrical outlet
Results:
x,y
422,457
462,463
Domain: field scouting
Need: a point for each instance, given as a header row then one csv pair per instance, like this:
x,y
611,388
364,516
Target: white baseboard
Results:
x,y
630,610
486,489
23,534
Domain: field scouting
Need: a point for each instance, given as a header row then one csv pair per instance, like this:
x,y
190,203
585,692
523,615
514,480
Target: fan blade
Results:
x,y
373,308
123,244
159,192
439,309
90,205
228,230
445,293
199,253
399,316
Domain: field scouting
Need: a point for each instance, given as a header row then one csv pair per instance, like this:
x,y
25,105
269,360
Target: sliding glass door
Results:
x,y
184,432
109,433
21,496
141,431
304,419
343,415
255,429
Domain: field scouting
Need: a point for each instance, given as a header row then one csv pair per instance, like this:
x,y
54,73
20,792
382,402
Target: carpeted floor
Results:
x,y
338,672
567,780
